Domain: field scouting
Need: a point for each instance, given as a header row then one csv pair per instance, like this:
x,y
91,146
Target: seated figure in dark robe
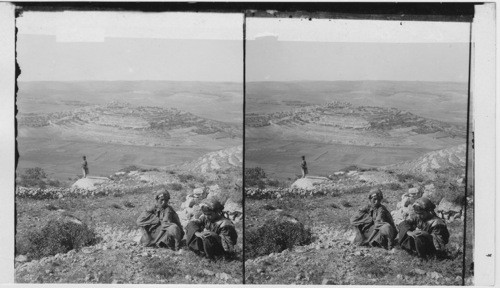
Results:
x,y
160,224
373,224
212,235
425,234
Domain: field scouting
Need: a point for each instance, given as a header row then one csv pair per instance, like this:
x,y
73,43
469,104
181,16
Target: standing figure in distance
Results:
x,y
212,235
160,224
303,166
424,234
85,167
374,224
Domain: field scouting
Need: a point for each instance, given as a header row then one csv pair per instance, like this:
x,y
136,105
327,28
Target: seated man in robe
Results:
x,y
425,234
373,224
212,235
160,224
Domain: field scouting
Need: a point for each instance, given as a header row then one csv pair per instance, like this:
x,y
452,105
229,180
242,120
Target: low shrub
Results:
x,y
175,186
55,237
409,178
275,236
276,183
394,186
184,178
254,177
36,177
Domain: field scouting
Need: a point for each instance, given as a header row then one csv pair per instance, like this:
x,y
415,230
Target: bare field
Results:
x,y
122,123
62,159
443,101
281,159
216,101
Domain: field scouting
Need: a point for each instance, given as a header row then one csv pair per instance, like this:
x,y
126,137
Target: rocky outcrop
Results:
x,y
436,160
216,161
449,210
89,183
191,206
308,183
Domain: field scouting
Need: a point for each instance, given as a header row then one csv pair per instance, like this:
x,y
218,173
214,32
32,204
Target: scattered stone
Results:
x,y
434,275
266,263
21,258
223,276
234,210
358,253
188,277
199,192
419,271
449,210
327,281
145,254
208,272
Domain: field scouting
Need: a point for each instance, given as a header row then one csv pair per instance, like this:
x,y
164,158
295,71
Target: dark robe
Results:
x,y
432,240
374,227
221,241
160,227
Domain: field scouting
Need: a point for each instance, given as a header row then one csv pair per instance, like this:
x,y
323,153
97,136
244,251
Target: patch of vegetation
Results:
x,y
254,177
276,183
116,206
162,267
36,177
371,266
449,190
409,178
131,168
358,190
275,236
128,204
174,186
334,206
345,203
394,186
51,207
185,178
55,237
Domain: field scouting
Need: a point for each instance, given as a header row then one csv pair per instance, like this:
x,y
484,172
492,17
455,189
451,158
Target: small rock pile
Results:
x,y
404,207
191,206
61,192
446,209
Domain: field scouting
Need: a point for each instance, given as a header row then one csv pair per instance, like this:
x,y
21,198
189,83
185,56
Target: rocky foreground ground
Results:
x,y
324,206
110,206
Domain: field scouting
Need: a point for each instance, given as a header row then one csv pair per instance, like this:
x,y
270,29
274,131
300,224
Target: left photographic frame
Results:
x,y
129,140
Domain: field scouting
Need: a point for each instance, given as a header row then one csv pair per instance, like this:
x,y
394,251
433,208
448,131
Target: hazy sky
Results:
x,y
77,46
329,50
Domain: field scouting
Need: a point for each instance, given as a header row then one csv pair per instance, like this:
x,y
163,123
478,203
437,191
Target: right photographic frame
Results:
x,y
359,155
